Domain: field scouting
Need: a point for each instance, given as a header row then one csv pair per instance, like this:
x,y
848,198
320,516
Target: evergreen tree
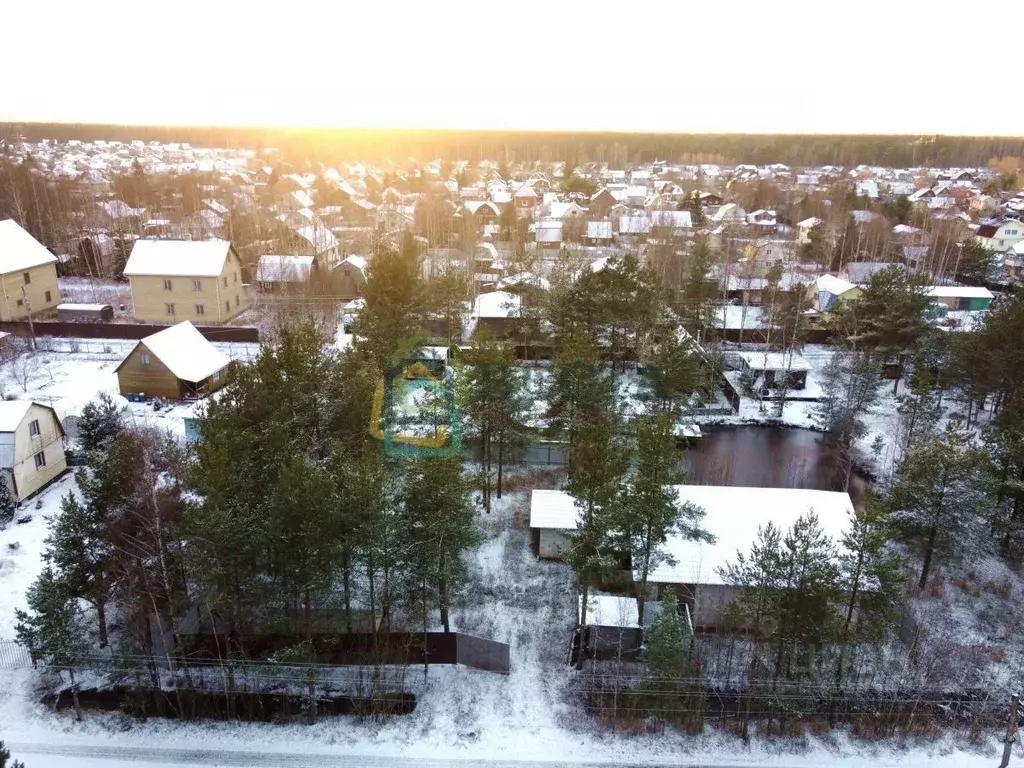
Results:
x,y
8,505
939,499
580,390
598,461
445,297
5,756
974,265
99,422
80,550
650,510
394,294
676,370
919,407
52,628
439,517
665,653
869,579
492,394
815,250
849,387
1004,442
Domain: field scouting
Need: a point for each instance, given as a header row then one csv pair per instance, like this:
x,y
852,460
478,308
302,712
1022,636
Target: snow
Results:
x,y
611,611
19,250
553,509
497,304
733,516
12,412
283,269
959,292
177,258
774,361
20,566
834,285
186,352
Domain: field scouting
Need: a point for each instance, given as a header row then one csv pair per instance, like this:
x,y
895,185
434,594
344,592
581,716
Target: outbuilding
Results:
x,y
177,363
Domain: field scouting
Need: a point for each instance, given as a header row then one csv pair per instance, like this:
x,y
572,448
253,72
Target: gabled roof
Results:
x,y
185,351
599,230
834,285
12,413
177,258
959,292
19,250
284,269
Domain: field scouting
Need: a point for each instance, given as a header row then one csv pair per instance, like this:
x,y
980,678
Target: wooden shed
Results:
x,y
177,363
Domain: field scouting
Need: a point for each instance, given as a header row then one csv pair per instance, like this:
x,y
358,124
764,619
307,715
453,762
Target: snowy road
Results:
x,y
67,755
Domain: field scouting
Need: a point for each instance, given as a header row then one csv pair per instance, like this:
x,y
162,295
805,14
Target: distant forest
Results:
x,y
404,147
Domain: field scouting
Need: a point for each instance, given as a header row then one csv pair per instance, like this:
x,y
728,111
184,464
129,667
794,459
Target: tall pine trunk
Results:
x,y
929,550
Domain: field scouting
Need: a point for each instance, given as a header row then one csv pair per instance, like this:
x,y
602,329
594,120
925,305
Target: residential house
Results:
x,y
173,280
548,234
828,292
861,272
711,199
960,298
671,223
1013,263
999,235
349,276
601,203
636,197
803,229
177,363
525,200
766,221
284,272
497,312
867,188
729,213
28,274
31,446
116,216
634,229
483,212
694,569
598,233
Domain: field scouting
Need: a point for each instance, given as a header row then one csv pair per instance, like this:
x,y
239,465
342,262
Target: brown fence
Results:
x,y
132,331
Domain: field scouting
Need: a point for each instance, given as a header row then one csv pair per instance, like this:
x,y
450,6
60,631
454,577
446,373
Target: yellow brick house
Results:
x,y
175,280
28,274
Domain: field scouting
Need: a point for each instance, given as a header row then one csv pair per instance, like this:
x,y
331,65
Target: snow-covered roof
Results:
x,y
525,191
809,223
733,516
675,219
359,262
186,352
599,230
320,237
834,285
559,209
634,225
959,292
610,611
497,304
180,258
284,269
12,413
19,250
553,509
774,361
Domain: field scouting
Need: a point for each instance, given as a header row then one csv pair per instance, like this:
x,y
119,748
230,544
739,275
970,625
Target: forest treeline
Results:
x,y
618,149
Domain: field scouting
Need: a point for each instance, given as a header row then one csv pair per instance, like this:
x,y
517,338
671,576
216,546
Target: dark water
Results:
x,y
765,457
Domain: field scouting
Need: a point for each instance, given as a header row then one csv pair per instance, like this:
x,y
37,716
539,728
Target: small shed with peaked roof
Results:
x,y
177,363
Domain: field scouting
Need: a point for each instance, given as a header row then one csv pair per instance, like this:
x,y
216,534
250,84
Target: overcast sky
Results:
x,y
898,66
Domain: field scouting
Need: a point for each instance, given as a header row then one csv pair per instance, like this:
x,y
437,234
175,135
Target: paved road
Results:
x,y
67,755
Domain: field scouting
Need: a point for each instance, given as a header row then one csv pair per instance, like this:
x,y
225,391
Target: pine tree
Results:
x,y
438,515
579,392
492,395
939,499
676,370
8,505
394,294
99,422
919,407
79,548
1004,442
665,653
849,387
650,510
5,756
52,628
869,579
598,461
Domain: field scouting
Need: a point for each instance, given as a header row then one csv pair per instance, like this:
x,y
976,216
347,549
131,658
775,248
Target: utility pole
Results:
x,y
28,309
1011,730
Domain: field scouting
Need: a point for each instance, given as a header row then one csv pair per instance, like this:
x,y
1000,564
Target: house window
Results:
x,y
200,309
236,300
227,306
28,277
197,285
145,358
225,281
169,308
33,428
236,278
40,459
215,376
47,297
21,303
167,285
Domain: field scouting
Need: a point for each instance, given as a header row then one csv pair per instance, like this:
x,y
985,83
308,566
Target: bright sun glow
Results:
x,y
898,66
